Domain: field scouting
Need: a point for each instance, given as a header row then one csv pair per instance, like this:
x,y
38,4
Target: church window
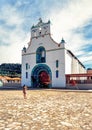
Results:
x,y
41,55
57,73
26,75
26,66
57,63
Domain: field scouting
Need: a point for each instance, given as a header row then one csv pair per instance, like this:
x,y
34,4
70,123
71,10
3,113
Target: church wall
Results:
x,y
31,61
82,70
41,41
72,64
77,67
68,63
51,61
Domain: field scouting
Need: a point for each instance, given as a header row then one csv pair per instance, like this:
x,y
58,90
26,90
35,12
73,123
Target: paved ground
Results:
x,y
45,110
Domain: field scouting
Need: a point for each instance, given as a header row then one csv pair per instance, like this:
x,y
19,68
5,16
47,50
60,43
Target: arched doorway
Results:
x,y
44,79
41,76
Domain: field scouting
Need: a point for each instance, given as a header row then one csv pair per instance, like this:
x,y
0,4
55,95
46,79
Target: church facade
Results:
x,y
46,62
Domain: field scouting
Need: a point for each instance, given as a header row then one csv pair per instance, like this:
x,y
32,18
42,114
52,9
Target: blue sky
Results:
x,y
70,19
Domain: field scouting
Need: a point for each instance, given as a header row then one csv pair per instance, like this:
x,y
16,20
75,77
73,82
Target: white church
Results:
x,y
45,62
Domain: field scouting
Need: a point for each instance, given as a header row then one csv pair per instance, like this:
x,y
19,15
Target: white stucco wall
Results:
x,y
68,63
51,61
72,64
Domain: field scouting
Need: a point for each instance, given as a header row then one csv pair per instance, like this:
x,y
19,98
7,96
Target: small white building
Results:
x,y
45,62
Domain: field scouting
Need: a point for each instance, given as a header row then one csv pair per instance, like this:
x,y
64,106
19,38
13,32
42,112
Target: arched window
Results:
x,y
41,55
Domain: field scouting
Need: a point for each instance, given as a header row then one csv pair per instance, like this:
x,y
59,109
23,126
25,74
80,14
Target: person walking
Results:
x,y
25,91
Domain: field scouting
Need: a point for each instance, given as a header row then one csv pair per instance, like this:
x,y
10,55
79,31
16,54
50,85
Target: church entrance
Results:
x,y
41,76
44,79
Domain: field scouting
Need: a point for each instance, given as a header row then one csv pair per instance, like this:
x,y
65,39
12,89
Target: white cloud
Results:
x,y
10,15
13,39
12,53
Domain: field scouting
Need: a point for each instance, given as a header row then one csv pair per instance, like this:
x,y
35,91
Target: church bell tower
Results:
x,y
40,29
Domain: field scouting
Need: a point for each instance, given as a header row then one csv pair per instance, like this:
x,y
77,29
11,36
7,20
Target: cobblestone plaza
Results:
x,y
45,110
